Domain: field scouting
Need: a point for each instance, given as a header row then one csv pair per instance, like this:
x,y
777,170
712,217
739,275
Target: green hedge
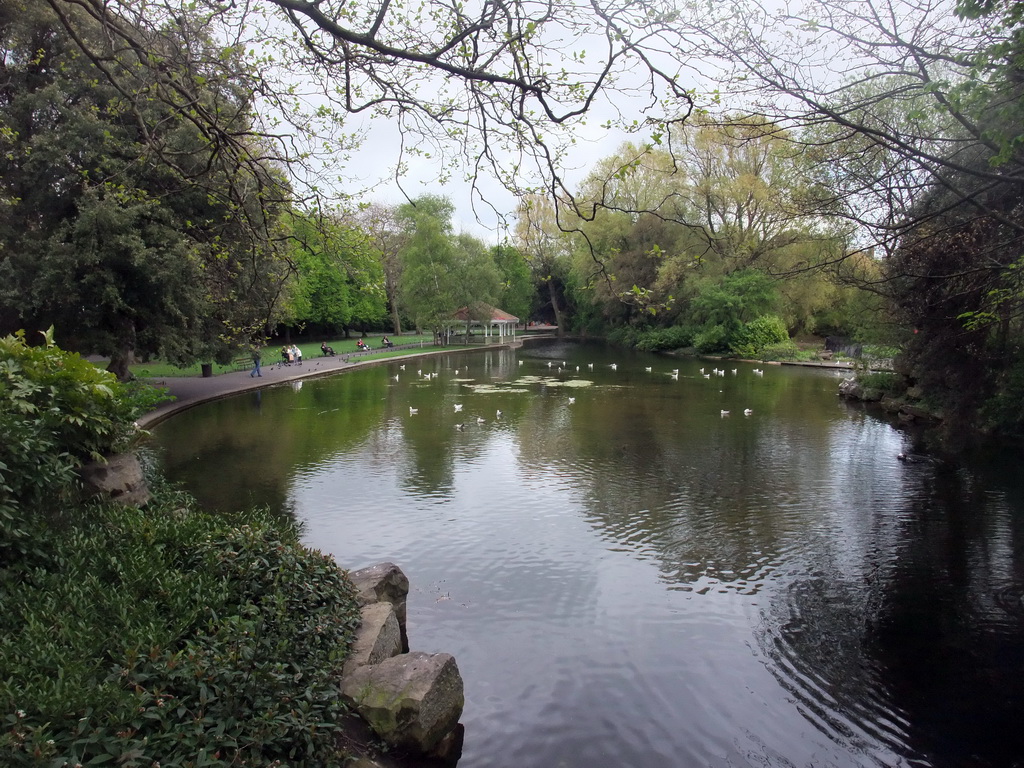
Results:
x,y
651,339
662,339
711,339
173,638
885,382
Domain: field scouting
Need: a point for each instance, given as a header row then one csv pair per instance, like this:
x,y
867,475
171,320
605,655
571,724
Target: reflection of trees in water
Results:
x,y
427,448
716,502
950,627
256,450
919,648
260,440
814,638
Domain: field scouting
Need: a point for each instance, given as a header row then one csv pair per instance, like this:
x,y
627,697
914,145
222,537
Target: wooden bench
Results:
x,y
242,363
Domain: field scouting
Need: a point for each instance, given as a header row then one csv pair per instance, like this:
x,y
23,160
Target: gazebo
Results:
x,y
494,321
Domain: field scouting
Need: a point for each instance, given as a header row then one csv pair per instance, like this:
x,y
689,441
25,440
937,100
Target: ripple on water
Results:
x,y
634,580
813,636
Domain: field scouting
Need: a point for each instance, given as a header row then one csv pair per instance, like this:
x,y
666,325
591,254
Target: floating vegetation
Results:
x,y
492,387
531,381
571,383
550,381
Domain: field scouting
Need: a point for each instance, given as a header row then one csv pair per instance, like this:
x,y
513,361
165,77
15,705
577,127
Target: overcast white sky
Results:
x,y
372,169
629,91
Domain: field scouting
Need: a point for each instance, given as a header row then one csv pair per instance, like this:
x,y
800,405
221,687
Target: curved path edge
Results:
x,y
190,391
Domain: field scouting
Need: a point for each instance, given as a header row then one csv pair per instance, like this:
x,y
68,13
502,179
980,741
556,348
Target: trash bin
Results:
x,y
207,370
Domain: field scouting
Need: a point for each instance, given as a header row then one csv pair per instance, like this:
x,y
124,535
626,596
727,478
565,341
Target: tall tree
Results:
x,y
546,248
442,272
339,276
517,289
381,225
102,235
728,195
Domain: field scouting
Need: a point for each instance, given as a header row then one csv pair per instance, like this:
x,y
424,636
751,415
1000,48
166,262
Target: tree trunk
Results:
x,y
553,295
118,365
124,354
396,320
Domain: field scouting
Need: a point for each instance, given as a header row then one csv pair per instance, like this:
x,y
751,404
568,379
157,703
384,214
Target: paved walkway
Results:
x,y
189,391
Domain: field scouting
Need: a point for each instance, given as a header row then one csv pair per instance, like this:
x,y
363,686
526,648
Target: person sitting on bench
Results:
x,y
361,344
386,342
327,351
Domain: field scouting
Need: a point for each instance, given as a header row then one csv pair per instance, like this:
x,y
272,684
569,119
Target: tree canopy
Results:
x,y
339,279
122,223
441,273
152,148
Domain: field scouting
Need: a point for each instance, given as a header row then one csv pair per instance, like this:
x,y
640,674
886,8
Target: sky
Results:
x,y
569,49
369,174
372,169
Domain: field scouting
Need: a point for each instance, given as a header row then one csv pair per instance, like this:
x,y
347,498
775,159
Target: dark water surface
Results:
x,y
635,579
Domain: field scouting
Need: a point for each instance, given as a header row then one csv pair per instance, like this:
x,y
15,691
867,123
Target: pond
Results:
x,y
629,576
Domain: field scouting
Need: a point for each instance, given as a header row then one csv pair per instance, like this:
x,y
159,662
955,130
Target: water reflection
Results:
x,y
633,579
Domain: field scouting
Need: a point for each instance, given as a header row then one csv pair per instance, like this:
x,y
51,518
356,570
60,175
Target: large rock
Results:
x,y
849,388
920,412
412,701
377,638
852,389
891,404
118,478
384,583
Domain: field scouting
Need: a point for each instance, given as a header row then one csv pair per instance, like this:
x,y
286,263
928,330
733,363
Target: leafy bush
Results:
x,y
650,339
734,299
174,638
1003,411
885,382
785,350
761,332
624,336
658,339
57,411
712,338
880,351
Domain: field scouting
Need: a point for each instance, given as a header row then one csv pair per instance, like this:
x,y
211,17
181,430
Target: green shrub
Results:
x,y
660,339
172,637
885,382
1003,411
785,350
711,339
761,332
650,339
57,411
879,352
623,336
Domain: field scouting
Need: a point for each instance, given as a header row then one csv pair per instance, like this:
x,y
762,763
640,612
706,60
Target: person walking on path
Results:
x,y
256,360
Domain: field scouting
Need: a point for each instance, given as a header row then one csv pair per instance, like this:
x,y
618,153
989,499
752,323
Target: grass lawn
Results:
x,y
272,355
